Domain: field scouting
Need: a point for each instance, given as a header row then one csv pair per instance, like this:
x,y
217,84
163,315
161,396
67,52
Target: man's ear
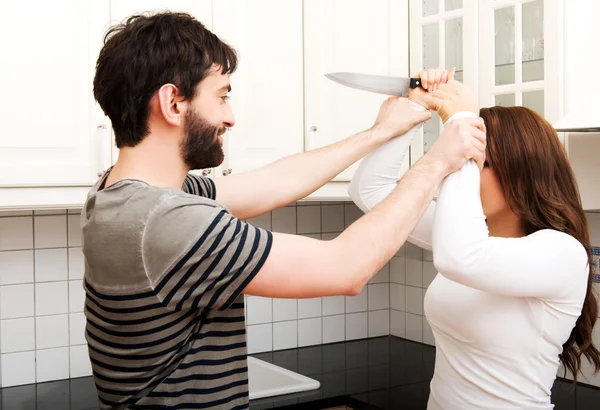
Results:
x,y
171,104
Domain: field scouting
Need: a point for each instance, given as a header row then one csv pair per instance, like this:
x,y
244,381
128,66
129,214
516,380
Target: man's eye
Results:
x,y
225,98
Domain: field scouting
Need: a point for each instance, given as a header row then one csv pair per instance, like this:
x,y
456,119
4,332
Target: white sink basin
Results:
x,y
267,380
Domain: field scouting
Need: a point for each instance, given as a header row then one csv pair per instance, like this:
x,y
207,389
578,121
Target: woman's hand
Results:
x,y
431,80
454,97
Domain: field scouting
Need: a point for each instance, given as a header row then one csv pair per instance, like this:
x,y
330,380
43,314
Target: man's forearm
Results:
x,y
291,178
374,238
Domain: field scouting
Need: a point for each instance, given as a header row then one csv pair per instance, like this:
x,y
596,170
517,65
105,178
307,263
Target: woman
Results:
x,y
513,295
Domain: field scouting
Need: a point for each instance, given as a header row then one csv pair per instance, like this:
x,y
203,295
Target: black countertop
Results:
x,y
382,373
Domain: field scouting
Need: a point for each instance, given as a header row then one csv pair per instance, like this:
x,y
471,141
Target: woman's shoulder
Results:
x,y
560,244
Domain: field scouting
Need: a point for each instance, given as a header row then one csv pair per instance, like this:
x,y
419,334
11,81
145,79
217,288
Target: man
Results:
x,y
166,269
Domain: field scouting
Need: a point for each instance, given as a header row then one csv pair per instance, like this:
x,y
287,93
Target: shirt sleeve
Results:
x,y
378,174
546,264
201,186
197,255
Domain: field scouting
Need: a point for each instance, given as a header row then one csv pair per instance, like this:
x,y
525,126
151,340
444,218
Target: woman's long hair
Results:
x,y
539,186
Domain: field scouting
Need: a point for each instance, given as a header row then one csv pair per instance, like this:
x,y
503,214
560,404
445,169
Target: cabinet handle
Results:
x,y
310,141
205,172
227,171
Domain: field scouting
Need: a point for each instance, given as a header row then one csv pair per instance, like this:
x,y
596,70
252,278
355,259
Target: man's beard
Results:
x,y
201,148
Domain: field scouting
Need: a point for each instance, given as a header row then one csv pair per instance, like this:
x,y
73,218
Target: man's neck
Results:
x,y
156,161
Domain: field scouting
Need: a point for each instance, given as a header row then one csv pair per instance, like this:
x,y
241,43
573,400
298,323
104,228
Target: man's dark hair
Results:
x,y
145,52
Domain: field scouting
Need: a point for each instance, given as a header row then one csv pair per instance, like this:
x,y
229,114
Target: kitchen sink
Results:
x,y
268,380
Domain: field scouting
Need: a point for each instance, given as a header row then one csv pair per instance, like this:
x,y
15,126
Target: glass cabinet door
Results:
x,y
519,54
443,34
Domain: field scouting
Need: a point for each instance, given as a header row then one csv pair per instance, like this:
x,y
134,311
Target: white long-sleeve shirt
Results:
x,y
500,308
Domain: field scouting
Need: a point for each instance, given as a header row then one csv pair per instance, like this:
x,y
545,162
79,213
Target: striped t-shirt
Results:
x,y
164,272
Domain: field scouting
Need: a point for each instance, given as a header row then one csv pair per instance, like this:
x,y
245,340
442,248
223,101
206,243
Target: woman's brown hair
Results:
x,y
539,186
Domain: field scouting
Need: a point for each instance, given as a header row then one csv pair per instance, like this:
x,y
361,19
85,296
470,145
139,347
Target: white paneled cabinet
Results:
x,y
368,36
53,133
55,139
267,87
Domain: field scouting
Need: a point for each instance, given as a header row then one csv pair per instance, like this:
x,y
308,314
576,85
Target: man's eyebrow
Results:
x,y
226,87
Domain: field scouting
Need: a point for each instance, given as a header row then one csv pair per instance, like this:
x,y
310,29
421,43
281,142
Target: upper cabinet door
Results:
x,y
52,131
267,87
520,52
365,36
121,9
443,34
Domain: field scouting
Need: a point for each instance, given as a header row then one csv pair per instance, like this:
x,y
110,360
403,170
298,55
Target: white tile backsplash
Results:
x,y
429,274
76,263
332,218
379,323
283,220
398,297
76,296
309,308
357,326
259,310
309,219
51,298
285,335
17,233
17,335
260,338
50,231
18,368
52,364
74,230
351,213
414,300
51,331
77,329
398,323
414,265
17,267
79,365
261,221
414,327
51,265
285,309
427,333
334,328
383,276
398,269
334,305
17,301
309,332
379,296
358,303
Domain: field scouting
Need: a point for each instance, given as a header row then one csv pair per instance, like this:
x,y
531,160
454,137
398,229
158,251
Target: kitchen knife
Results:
x,y
381,84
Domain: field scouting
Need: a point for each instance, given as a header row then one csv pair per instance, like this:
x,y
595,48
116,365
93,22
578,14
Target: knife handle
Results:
x,y
415,82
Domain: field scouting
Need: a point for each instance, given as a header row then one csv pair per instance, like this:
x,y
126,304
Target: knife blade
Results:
x,y
381,84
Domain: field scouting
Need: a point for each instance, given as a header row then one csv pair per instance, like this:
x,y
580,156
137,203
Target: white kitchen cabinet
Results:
x,y
267,87
442,34
520,55
367,36
53,133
